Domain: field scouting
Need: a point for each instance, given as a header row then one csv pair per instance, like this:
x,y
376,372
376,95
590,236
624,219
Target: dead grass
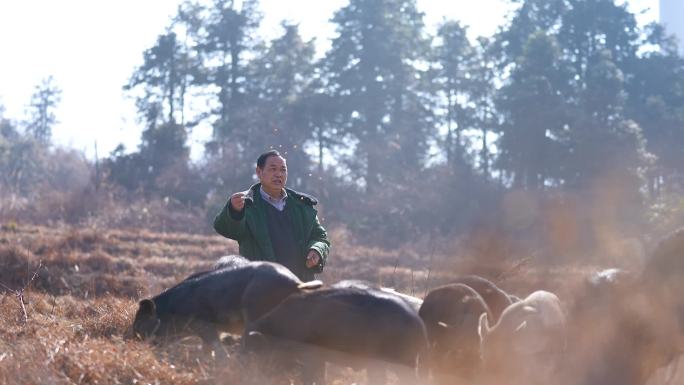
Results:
x,y
68,340
82,302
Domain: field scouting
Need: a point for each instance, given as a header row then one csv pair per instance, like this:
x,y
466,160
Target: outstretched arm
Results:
x,y
230,222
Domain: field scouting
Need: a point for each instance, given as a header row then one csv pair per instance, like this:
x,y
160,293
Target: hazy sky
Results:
x,y
91,47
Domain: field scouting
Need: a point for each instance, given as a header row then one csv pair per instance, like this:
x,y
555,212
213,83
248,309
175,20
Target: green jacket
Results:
x,y
250,230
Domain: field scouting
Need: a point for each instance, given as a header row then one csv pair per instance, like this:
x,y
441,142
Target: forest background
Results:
x,y
561,135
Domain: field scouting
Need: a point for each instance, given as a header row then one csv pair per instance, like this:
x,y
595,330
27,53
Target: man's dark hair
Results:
x,y
261,161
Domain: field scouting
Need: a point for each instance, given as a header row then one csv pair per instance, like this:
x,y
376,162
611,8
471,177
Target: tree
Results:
x,y
42,117
189,23
22,158
160,166
455,61
371,71
603,141
655,88
164,146
482,100
533,73
600,40
568,61
167,70
532,147
590,27
326,135
228,36
8,166
282,75
532,17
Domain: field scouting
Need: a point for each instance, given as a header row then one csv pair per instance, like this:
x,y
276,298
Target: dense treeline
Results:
x,y
567,124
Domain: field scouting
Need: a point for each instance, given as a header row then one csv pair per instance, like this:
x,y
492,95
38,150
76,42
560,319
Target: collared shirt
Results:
x,y
278,203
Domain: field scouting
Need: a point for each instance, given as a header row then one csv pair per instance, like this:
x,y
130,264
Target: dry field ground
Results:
x,y
69,295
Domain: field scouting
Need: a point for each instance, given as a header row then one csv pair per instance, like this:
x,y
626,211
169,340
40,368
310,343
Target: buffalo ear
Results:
x,y
147,308
483,326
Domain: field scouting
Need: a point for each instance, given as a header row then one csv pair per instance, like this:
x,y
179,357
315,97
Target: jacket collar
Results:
x,y
253,193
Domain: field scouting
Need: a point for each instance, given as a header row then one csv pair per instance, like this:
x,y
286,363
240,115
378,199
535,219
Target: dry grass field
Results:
x,y
69,295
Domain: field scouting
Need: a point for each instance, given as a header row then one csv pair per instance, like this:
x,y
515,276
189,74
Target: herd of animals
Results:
x,y
617,330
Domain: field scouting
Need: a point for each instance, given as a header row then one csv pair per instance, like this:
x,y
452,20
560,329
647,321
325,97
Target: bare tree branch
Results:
x,y
20,293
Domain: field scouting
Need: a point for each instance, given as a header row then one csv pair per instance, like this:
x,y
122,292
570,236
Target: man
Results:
x,y
273,223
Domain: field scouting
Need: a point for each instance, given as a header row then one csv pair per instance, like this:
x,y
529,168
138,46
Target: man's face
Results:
x,y
274,174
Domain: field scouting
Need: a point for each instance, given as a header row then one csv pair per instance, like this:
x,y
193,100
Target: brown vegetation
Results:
x,y
82,301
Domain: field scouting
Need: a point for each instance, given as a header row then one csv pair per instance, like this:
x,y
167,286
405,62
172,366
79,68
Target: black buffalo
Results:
x,y
527,344
233,261
413,302
220,300
496,299
451,315
350,326
621,330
